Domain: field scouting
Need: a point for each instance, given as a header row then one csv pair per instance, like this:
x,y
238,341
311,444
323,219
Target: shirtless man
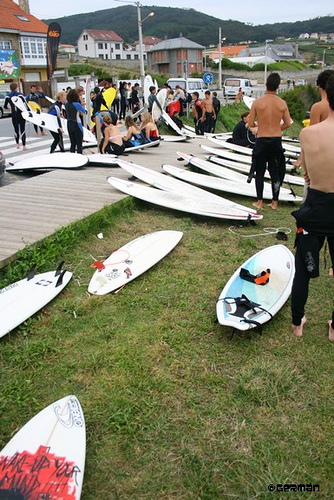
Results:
x,y
209,112
273,117
319,110
315,218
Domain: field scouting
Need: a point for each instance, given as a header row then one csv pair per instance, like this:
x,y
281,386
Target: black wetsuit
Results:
x,y
242,136
315,222
268,151
74,125
18,121
56,110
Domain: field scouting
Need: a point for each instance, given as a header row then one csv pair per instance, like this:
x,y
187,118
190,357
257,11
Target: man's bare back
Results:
x,y
268,111
319,111
318,154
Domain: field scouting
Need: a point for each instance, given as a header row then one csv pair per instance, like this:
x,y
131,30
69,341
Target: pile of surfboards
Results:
x,y
178,195
234,181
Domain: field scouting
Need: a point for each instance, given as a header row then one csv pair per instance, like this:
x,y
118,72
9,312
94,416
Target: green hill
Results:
x,y
170,22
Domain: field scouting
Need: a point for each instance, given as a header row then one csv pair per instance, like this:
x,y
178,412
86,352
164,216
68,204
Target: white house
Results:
x,y
100,44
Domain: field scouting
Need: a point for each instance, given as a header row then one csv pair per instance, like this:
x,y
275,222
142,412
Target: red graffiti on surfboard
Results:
x,y
39,476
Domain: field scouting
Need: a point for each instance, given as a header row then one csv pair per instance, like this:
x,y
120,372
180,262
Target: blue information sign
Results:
x,y
208,77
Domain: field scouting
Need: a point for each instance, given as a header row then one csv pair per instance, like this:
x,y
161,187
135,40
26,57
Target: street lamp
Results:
x,y
140,36
141,51
220,58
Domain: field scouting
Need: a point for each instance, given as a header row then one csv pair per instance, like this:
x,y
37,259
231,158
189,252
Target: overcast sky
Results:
x,y
251,11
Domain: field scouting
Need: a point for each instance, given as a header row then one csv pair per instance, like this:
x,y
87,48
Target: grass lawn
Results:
x,y
175,408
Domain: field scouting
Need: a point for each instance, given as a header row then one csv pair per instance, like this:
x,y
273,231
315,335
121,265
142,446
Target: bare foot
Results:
x,y
17,146
43,133
330,331
258,204
24,148
330,272
298,329
273,205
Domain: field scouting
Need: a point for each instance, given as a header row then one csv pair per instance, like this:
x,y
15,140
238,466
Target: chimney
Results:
x,y
24,5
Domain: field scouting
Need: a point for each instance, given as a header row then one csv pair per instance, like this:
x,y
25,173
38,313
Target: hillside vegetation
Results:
x,y
170,22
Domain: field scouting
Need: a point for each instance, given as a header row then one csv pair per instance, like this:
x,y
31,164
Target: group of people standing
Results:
x,y
205,112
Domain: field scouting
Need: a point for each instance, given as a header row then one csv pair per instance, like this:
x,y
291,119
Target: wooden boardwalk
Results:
x,y
35,208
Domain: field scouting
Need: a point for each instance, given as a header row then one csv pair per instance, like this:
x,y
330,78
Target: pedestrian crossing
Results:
x,y
35,145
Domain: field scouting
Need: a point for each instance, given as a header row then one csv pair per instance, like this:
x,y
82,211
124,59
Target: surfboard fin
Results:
x,y
99,265
58,270
31,273
60,279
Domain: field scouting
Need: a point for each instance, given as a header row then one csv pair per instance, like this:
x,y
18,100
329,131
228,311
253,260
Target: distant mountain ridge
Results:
x,y
170,22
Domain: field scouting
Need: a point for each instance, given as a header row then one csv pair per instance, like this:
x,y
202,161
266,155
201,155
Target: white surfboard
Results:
x,y
21,103
227,173
132,260
180,202
50,122
223,136
156,111
225,185
175,138
167,183
148,82
99,159
242,167
241,158
46,457
22,299
49,161
173,125
290,150
141,146
233,306
248,101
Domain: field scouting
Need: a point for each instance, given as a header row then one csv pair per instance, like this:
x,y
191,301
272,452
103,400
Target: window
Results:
x,y
22,18
86,46
117,46
100,45
118,56
128,56
33,49
85,37
136,56
105,46
4,45
106,56
100,56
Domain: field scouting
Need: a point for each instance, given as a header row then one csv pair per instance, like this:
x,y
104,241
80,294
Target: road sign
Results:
x,y
208,77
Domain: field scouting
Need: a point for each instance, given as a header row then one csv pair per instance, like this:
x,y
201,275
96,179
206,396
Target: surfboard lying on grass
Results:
x,y
132,260
242,167
49,161
230,155
46,457
168,183
225,185
247,303
22,299
182,202
290,151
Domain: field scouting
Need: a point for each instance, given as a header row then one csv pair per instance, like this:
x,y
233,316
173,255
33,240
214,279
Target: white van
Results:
x,y
232,85
190,85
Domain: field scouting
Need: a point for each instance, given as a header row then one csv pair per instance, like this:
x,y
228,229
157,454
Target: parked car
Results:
x,y
232,85
3,111
2,165
301,81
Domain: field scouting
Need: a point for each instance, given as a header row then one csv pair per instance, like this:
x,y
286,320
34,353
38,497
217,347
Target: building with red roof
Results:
x,y
22,42
101,44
